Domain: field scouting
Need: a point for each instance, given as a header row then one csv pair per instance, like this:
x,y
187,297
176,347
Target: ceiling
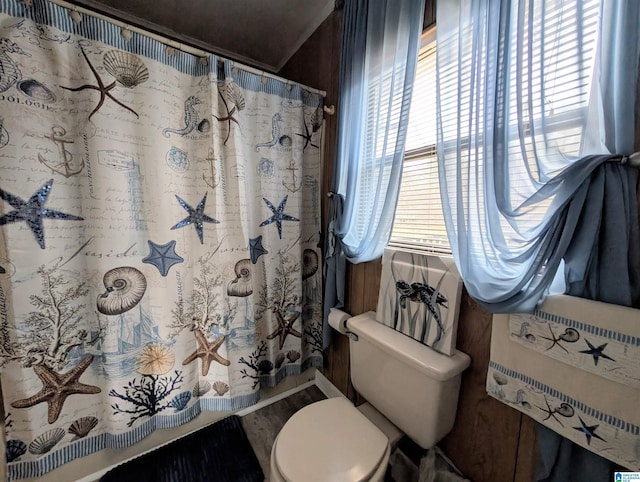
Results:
x,y
260,33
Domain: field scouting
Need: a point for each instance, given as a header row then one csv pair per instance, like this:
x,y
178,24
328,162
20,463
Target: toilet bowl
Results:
x,y
411,386
327,441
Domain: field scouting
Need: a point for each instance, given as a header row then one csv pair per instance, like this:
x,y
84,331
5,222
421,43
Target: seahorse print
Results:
x,y
190,118
9,70
277,139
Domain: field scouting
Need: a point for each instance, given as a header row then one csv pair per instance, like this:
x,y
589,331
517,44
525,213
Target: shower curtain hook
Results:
x,y
75,15
126,33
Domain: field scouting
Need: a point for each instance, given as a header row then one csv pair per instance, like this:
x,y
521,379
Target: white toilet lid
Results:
x,y
328,441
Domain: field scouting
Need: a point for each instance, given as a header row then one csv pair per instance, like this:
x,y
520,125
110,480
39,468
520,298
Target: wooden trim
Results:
x,y
429,14
528,455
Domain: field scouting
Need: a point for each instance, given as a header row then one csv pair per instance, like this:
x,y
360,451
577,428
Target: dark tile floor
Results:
x,y
263,425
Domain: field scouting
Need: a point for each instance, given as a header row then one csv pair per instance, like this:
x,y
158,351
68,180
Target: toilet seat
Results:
x,y
330,440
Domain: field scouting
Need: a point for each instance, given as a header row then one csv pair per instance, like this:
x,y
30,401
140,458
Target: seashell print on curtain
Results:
x,y
159,230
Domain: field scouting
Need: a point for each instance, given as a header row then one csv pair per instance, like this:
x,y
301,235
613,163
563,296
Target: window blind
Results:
x,y
419,222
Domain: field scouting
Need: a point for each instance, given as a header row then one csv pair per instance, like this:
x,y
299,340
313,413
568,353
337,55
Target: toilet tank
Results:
x,y
412,385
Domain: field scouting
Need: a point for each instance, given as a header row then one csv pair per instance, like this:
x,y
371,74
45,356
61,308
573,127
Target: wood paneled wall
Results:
x,y
490,441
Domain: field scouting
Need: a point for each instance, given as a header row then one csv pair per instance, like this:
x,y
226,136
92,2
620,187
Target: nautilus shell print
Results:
x,y
565,410
241,286
570,335
125,287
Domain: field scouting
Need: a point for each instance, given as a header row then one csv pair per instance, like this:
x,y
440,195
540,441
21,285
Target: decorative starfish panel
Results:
x,y
33,211
278,215
196,216
589,431
596,352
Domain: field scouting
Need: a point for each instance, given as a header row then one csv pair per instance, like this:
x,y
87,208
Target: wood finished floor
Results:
x,y
263,425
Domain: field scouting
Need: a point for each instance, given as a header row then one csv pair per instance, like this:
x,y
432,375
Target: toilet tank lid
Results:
x,y
423,358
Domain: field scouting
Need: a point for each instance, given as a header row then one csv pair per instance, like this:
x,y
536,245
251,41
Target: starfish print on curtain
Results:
x,y
278,215
285,328
147,254
256,248
196,216
33,211
105,90
207,351
56,387
235,96
163,256
307,136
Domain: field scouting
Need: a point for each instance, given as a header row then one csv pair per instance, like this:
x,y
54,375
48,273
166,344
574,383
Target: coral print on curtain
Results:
x,y
159,229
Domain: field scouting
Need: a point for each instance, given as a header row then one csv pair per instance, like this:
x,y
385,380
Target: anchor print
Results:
x,y
293,187
65,166
213,180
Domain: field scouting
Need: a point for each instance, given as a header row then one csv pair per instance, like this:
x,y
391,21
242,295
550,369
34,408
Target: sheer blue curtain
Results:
x,y
379,52
535,131
533,97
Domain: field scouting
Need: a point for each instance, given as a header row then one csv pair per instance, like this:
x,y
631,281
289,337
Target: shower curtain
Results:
x,y
159,229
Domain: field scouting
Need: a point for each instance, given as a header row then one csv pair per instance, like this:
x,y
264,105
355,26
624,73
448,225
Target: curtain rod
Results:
x,y
172,43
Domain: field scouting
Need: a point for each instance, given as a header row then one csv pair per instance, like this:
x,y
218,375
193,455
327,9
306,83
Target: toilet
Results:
x,y
405,383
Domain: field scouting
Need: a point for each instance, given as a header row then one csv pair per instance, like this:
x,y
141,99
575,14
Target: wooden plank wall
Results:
x,y
490,441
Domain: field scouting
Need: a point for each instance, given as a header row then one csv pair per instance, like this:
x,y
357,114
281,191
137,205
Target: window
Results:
x,y
546,119
419,222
